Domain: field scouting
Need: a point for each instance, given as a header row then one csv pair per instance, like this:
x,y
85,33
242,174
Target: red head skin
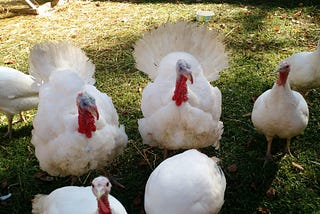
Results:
x,y
87,111
183,74
101,187
283,69
104,205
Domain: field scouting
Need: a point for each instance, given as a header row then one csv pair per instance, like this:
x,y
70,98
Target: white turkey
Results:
x,y
280,111
76,128
305,70
18,92
94,199
189,182
181,109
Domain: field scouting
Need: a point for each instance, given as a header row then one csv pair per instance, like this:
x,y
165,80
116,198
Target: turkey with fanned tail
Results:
x,y
181,108
76,128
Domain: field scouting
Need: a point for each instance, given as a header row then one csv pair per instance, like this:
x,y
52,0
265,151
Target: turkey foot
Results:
x,y
267,159
268,155
287,149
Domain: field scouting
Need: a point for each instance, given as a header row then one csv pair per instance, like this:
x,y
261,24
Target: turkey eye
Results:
x,y
107,184
92,185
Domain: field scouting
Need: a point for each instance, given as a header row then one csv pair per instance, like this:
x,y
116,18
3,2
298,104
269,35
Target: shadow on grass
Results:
x,y
23,130
242,148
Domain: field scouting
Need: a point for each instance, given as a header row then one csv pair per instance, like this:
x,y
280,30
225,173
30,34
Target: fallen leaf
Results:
x,y
263,210
9,61
232,168
283,16
253,186
311,46
137,200
296,165
298,13
271,192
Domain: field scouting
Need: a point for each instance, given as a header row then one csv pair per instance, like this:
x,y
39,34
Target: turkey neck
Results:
x,y
282,79
104,205
181,91
86,123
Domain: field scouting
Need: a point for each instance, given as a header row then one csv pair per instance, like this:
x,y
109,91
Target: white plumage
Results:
x,y
79,200
280,111
169,54
18,92
60,148
189,182
305,70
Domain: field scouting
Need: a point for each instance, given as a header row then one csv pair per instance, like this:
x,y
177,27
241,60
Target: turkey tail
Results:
x,y
48,57
37,204
204,44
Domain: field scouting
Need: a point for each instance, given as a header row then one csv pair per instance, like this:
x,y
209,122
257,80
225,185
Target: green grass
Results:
x,y
258,35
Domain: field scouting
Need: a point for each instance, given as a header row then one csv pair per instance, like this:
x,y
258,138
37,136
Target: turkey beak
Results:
x,y
188,74
99,192
189,77
94,111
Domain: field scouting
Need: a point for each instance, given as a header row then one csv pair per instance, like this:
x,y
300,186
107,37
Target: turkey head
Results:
x,y
184,73
283,69
101,187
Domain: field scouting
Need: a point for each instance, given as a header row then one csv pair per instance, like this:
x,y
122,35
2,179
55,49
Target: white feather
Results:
x,y
280,112
305,70
195,123
48,57
204,44
189,182
72,200
59,147
18,92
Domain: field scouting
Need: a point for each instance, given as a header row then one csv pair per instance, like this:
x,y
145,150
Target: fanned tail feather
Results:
x,y
204,44
48,57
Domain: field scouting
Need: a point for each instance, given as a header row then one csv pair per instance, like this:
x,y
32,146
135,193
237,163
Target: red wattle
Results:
x,y
103,205
86,123
282,79
181,91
